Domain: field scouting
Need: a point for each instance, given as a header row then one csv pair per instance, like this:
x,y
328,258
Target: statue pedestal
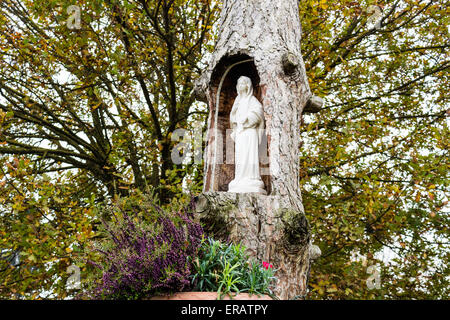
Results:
x,y
271,227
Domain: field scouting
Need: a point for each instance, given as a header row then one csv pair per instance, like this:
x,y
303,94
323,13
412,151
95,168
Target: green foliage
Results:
x,y
104,98
227,269
48,222
375,159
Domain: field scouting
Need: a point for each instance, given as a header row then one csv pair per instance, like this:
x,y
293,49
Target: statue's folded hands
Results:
x,y
251,122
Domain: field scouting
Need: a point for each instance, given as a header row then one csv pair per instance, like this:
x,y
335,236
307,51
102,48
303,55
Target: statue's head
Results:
x,y
244,86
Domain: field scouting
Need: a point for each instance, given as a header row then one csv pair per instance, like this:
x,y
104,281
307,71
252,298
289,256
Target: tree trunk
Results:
x,y
270,229
259,39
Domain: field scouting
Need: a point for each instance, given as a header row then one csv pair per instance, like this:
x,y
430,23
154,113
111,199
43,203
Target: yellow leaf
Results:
x,y
332,289
418,197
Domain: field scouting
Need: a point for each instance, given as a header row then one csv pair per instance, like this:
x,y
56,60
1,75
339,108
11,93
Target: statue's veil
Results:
x,y
241,97
249,92
250,100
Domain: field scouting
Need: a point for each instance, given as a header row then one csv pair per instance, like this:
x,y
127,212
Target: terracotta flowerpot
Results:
x,y
209,296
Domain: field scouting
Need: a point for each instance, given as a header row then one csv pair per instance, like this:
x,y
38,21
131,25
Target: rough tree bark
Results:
x,y
260,39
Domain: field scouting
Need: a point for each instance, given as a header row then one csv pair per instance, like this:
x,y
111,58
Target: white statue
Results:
x,y
247,122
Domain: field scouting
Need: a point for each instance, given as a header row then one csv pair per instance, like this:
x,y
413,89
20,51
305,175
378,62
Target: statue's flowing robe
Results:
x,y
247,122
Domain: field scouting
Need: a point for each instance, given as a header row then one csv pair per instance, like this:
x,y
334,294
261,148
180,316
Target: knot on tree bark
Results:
x,y
200,88
290,63
314,105
296,229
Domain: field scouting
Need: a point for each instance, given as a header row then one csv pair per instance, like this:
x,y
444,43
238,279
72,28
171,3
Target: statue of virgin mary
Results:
x,y
247,123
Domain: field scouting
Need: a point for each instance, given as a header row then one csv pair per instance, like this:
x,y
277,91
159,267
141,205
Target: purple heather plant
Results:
x,y
147,254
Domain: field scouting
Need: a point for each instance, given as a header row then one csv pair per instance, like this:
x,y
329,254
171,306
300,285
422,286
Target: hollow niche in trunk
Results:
x,y
221,170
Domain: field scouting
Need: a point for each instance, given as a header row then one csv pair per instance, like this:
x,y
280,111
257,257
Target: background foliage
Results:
x,y
88,114
375,159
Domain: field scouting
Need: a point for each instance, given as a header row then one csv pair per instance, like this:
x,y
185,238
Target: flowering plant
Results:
x,y
146,253
267,265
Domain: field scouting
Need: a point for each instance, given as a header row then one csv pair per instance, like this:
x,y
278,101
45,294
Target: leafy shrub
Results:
x,y
226,268
145,252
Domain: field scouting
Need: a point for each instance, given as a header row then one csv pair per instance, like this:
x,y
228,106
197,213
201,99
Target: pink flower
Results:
x,y
267,265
